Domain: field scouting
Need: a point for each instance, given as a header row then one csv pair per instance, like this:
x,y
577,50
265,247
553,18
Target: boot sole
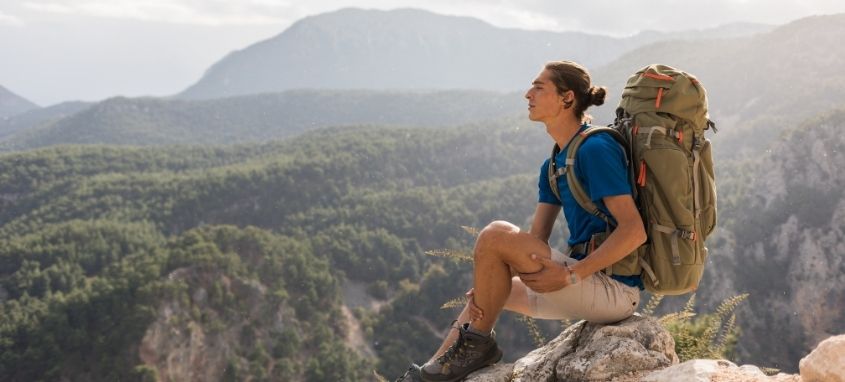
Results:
x,y
493,360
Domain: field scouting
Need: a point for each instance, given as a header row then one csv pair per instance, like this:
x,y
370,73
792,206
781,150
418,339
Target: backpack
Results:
x,y
660,123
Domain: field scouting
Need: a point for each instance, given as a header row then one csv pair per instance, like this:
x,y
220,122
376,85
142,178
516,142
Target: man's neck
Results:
x,y
562,131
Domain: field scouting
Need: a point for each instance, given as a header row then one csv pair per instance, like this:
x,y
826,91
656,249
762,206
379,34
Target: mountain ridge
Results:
x,y
255,118
12,104
404,49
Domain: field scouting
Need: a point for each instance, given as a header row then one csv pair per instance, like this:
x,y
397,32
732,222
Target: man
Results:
x,y
550,284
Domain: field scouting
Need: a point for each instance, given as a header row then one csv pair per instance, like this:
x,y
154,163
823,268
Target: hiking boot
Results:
x,y
411,375
469,353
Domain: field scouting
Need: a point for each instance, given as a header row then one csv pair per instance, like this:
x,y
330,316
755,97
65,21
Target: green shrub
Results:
x,y
704,335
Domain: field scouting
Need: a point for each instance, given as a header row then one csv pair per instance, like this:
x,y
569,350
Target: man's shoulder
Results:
x,y
599,143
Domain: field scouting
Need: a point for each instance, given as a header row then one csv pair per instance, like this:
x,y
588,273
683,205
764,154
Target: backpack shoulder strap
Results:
x,y
575,186
554,172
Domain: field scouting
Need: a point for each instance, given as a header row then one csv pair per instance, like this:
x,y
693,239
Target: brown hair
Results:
x,y
568,75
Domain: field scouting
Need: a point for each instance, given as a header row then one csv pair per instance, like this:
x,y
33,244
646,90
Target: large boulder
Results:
x,y
592,352
826,363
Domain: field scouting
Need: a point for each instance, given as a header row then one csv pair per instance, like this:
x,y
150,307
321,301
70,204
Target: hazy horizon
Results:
x,y
63,50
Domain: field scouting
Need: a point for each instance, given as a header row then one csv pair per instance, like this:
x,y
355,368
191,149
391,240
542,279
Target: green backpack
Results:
x,y
660,123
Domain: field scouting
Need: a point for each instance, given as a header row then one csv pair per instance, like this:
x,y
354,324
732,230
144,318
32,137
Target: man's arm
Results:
x,y
544,221
628,236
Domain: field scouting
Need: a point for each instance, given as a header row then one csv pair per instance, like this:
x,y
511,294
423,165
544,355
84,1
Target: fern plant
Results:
x,y
708,335
534,330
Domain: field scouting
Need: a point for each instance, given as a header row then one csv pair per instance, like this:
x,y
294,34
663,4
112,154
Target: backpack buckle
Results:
x,y
689,235
697,143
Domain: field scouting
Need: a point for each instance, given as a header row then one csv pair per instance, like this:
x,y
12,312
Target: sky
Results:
x,y
61,50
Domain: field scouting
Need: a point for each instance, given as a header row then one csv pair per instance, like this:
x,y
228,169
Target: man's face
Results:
x,y
543,101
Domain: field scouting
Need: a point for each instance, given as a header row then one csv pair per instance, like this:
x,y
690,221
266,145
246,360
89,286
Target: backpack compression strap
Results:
x,y
575,186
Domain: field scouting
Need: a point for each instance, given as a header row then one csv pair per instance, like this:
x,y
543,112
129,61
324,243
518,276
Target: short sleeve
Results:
x,y
602,168
546,194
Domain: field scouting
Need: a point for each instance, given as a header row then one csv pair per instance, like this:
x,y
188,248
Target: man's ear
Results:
x,y
568,99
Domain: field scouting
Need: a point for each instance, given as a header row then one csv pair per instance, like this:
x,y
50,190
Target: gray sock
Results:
x,y
476,331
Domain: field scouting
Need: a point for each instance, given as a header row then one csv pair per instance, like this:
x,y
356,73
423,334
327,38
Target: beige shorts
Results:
x,y
597,298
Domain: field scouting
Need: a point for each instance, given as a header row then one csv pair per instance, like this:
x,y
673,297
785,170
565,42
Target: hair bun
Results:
x,y
597,95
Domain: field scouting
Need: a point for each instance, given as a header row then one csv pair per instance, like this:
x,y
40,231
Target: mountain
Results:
x,y
12,104
732,30
252,118
782,235
758,85
39,117
257,118
406,49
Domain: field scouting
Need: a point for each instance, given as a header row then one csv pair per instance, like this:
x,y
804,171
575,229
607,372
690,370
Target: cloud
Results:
x,y
608,17
10,20
191,12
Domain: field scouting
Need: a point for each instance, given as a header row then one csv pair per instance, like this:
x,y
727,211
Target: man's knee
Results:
x,y
492,235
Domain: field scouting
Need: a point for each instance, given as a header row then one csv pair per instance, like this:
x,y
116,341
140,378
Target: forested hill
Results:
x,y
159,238
255,118
148,235
181,188
38,117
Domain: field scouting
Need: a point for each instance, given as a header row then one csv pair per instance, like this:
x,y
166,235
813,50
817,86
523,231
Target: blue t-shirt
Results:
x,y
603,162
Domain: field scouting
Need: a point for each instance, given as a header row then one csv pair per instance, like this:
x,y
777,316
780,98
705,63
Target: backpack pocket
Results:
x,y
707,183
665,185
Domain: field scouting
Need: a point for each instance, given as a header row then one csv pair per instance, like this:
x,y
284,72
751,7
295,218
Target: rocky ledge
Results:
x,y
592,352
639,349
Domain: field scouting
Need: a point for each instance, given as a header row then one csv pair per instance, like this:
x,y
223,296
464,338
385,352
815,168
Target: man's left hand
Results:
x,y
550,278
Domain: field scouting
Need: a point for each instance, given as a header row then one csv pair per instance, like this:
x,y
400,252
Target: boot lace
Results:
x,y
456,350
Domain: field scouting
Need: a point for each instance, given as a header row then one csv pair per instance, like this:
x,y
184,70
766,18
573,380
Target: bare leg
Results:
x,y
500,246
517,302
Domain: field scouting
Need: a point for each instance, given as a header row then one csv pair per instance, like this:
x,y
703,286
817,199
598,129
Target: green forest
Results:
x,y
97,239
113,258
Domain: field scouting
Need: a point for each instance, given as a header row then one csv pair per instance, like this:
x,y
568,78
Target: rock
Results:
x,y
539,365
752,371
783,377
826,362
592,352
605,352
709,370
502,372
